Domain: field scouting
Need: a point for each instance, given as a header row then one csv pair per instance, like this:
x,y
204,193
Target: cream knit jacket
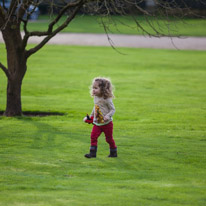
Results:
x,y
102,108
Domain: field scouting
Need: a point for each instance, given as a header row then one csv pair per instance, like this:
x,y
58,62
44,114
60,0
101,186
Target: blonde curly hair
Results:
x,y
105,85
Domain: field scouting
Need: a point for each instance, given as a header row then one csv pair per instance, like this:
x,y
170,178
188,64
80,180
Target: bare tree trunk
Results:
x,y
16,61
13,107
14,84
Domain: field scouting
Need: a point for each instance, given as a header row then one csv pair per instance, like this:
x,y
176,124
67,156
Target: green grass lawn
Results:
x,y
126,25
159,128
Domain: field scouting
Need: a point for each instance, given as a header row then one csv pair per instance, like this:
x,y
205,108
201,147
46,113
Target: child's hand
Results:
x,y
88,119
106,119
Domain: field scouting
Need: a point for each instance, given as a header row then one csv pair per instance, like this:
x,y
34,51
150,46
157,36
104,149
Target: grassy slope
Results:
x,y
126,25
159,129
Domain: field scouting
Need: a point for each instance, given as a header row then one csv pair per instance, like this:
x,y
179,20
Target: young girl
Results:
x,y
101,116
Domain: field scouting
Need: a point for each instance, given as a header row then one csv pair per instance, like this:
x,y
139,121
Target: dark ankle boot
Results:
x,y
93,151
113,152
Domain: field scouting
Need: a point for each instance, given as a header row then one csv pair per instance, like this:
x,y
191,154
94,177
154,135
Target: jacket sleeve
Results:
x,y
111,108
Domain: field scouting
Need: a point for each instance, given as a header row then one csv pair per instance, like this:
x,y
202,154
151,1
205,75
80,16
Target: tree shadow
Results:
x,y
44,134
38,113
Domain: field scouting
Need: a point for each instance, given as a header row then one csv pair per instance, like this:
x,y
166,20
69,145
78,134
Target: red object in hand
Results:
x,y
89,120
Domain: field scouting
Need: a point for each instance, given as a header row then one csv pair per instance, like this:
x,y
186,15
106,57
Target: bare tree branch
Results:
x,y
13,7
9,13
4,5
5,70
23,8
2,17
50,33
109,39
53,33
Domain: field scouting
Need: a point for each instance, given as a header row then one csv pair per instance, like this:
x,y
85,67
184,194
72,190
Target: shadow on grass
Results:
x,y
45,133
38,113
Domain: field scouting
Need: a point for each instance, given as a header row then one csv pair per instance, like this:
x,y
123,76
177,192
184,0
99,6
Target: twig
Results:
x,y
110,40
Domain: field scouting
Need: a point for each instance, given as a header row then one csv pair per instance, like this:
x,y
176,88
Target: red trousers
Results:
x,y
108,131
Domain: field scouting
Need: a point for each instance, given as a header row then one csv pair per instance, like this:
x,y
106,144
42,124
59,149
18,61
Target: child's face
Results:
x,y
96,90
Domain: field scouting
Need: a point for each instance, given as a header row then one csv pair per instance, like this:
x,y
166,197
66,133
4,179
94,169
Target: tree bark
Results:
x,y
13,106
14,84
16,61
